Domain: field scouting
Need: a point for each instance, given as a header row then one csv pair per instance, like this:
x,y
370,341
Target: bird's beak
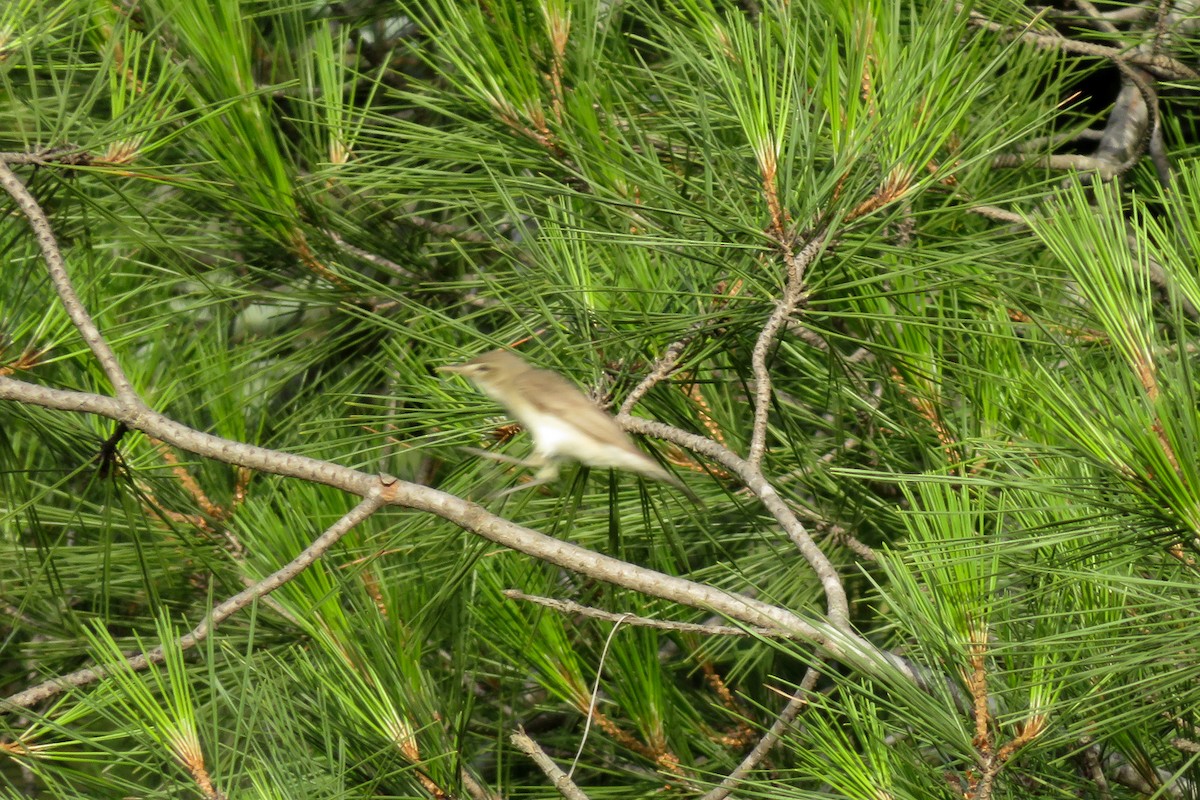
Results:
x,y
452,368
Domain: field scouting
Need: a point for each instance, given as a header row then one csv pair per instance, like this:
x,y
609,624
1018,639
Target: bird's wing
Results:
x,y
554,395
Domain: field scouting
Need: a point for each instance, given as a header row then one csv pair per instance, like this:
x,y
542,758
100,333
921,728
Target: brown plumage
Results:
x,y
563,422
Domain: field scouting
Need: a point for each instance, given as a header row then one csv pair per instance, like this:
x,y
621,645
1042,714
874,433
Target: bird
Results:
x,y
564,423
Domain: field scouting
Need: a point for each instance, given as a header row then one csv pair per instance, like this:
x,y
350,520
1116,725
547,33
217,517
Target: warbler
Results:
x,y
564,423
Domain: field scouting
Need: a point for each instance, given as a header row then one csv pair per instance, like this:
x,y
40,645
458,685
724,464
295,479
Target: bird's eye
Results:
x,y
483,369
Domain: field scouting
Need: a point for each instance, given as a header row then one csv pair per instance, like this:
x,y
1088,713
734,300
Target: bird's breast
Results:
x,y
555,437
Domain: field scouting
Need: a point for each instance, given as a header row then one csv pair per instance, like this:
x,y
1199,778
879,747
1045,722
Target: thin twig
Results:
x,y
807,335
565,786
1096,18
446,229
1155,62
1130,13
793,293
782,722
1162,14
18,616
571,607
852,543
178,435
474,788
386,264
1038,143
999,215
1075,161
56,265
663,367
591,709
220,613
65,156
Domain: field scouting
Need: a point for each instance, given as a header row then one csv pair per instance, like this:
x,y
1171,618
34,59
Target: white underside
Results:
x,y
554,439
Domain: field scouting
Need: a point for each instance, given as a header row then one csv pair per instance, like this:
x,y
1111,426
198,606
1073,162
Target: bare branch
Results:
x,y
1159,158
446,229
571,607
793,292
56,265
662,368
189,439
83,677
1096,18
474,788
1038,143
1073,161
837,607
565,786
1163,65
782,722
1131,123
66,156
1133,12
999,215
835,637
385,264
1095,769
630,576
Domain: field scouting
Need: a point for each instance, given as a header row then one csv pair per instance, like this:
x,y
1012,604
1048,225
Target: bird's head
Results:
x,y
490,369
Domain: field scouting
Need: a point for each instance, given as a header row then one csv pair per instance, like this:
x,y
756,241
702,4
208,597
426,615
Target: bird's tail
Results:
x,y
656,472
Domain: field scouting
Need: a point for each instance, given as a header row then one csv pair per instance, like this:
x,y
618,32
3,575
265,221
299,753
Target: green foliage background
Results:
x,y
289,212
